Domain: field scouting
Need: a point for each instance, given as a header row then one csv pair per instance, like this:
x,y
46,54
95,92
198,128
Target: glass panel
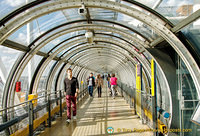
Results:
x,y
193,129
43,24
8,56
60,39
124,19
188,98
55,77
177,10
49,21
20,36
196,115
1,92
7,59
149,3
192,32
99,13
147,56
63,77
53,43
143,28
44,77
7,6
54,19
163,95
24,79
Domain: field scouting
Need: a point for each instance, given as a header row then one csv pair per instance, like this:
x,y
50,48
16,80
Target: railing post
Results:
x,y
5,119
31,118
142,106
134,97
49,109
122,91
56,97
60,103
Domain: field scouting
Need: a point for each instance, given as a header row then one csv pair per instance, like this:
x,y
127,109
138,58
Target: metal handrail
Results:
x,y
34,110
1,110
191,100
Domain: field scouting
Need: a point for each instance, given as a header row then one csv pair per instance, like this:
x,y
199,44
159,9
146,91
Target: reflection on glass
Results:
x,y
7,6
55,77
53,43
192,32
149,3
188,98
196,115
176,10
60,41
26,76
20,36
8,57
44,77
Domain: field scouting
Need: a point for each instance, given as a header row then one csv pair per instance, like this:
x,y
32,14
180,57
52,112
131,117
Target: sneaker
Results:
x,y
74,117
68,120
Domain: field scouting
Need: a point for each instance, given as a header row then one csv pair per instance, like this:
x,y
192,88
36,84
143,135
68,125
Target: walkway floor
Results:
x,y
96,115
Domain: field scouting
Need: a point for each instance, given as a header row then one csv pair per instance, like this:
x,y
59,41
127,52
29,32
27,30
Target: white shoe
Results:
x,y
68,120
74,117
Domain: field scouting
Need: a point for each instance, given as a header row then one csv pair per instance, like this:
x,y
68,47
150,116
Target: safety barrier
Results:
x,y
129,95
32,110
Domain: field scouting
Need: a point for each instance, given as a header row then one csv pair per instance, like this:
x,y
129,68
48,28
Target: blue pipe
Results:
x,y
163,112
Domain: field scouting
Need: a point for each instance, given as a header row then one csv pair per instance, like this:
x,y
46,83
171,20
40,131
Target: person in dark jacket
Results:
x,y
99,84
71,88
91,84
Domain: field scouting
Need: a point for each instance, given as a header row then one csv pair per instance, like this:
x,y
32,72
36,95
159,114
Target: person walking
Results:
x,y
113,83
99,82
109,87
71,88
91,84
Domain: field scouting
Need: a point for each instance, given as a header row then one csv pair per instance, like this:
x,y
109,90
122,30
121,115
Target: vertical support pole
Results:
x,y
141,95
134,99
130,101
31,118
56,97
122,90
46,95
49,109
5,119
154,96
60,102
31,63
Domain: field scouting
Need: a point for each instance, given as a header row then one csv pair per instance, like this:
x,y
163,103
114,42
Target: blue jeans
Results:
x,y
90,89
109,86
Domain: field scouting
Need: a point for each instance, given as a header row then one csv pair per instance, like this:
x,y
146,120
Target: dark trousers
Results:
x,y
70,99
90,89
109,86
99,91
